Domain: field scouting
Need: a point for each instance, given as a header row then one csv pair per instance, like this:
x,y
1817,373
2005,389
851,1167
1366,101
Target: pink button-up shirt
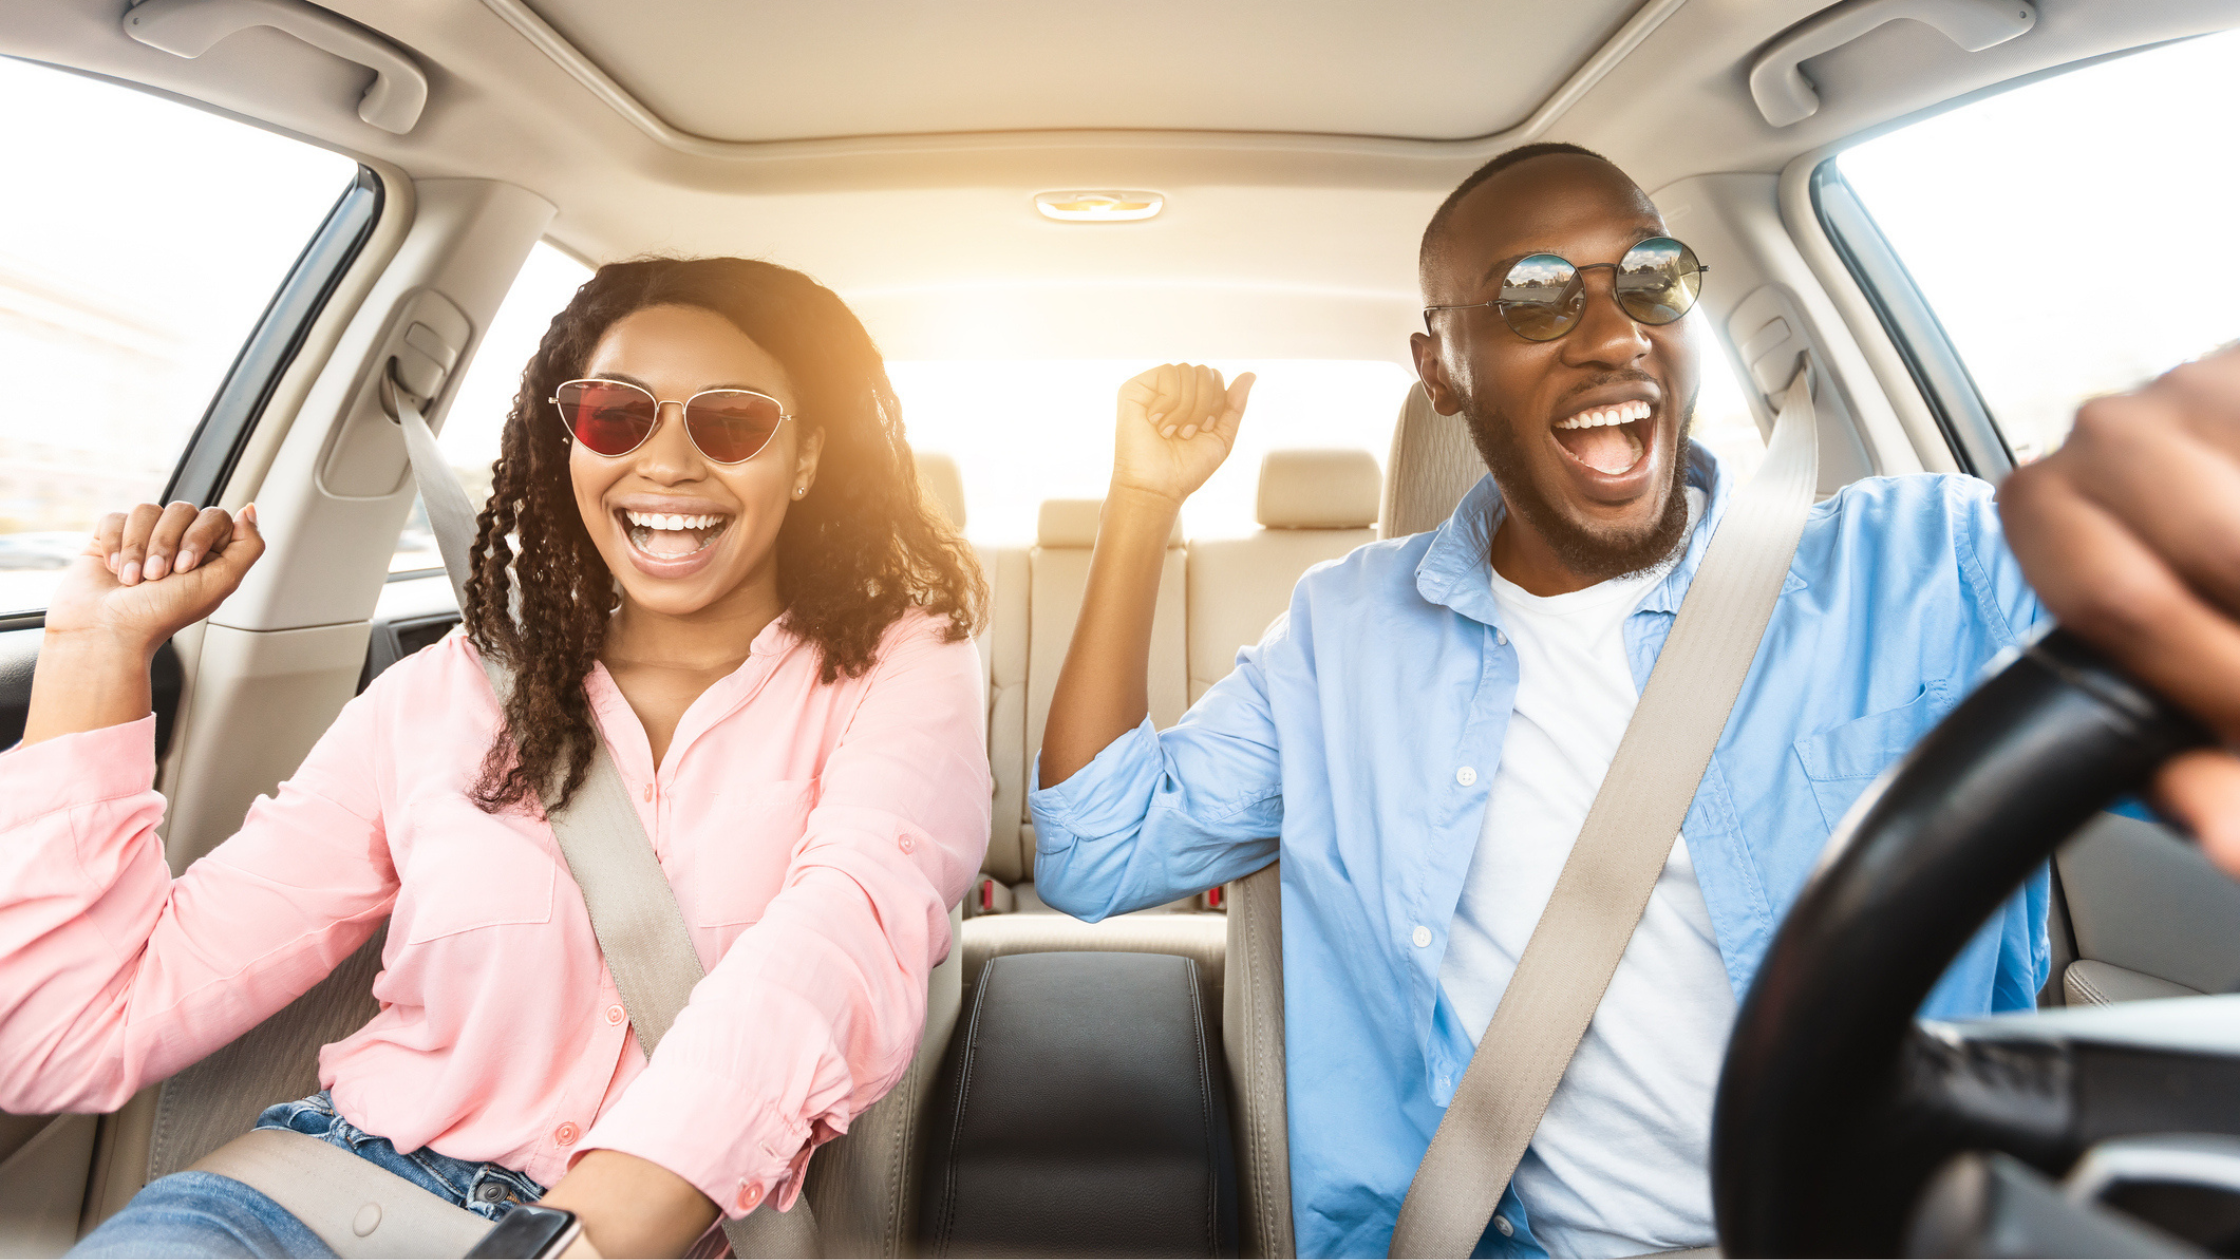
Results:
x,y
815,835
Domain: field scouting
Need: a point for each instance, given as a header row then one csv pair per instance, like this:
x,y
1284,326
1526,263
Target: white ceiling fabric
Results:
x,y
1420,69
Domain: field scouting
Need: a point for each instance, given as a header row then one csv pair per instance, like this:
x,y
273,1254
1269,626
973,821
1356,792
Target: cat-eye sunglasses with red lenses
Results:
x,y
614,418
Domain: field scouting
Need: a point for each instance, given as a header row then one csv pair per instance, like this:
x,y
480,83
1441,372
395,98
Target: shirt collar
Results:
x,y
1456,570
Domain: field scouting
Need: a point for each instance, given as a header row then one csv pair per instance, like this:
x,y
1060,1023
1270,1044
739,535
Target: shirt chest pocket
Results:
x,y
467,870
742,863
1841,761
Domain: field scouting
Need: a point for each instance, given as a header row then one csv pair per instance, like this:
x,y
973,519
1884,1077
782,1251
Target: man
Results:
x,y
1428,725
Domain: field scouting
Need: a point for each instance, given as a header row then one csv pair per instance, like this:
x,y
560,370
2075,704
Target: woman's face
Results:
x,y
675,352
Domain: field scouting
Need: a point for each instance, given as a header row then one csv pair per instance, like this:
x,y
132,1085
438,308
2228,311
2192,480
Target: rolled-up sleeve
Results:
x,y
114,973
815,1010
1158,815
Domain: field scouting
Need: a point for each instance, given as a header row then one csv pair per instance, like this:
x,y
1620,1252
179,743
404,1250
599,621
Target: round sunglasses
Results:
x,y
728,426
1543,297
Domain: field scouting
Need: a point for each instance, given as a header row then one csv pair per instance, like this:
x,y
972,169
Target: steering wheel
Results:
x,y
1835,1110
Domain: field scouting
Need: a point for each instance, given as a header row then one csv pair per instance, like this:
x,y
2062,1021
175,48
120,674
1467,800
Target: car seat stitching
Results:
x,y
964,1091
1205,1106
1255,1063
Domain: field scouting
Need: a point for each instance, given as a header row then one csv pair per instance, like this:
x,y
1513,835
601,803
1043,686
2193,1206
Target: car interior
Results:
x,y
989,184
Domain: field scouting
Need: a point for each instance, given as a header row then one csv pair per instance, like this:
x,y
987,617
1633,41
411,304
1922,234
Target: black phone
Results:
x,y
528,1230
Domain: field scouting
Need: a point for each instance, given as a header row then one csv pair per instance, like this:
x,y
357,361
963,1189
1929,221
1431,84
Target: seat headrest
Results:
x,y
1331,489
939,479
1073,523
1433,462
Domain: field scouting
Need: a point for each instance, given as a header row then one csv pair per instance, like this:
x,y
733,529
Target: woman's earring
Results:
x,y
798,491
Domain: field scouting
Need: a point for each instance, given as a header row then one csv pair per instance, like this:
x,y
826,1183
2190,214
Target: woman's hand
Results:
x,y
1177,423
2130,533
144,576
148,573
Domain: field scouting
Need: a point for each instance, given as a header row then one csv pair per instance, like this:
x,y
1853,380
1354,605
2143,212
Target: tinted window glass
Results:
x,y
140,242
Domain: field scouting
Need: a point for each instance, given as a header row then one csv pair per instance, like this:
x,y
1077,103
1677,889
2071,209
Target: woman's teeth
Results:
x,y
1599,439
671,534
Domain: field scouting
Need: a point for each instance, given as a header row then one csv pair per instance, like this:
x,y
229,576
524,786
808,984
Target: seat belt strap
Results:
x,y
634,913
1622,848
359,1209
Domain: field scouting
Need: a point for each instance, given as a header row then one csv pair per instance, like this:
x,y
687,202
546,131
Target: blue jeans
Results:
x,y
203,1214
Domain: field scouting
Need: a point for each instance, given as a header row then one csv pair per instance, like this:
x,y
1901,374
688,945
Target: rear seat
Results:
x,y
1215,596
1313,506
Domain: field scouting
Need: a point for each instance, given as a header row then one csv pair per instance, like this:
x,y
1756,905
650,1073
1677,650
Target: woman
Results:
x,y
739,589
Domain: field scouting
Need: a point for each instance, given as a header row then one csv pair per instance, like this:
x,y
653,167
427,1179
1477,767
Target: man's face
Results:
x,y
1606,499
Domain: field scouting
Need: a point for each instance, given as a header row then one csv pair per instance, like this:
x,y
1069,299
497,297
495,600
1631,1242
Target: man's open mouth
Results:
x,y
669,536
1609,439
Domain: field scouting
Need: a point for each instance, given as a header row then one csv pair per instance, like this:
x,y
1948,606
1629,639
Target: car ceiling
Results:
x,y
892,148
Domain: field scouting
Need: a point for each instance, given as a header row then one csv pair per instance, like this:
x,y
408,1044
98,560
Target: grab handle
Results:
x,y
1785,96
188,28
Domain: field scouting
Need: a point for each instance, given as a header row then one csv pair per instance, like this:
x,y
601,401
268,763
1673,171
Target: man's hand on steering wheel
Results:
x,y
2130,533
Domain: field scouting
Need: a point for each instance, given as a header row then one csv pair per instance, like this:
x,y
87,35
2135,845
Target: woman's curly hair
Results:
x,y
856,554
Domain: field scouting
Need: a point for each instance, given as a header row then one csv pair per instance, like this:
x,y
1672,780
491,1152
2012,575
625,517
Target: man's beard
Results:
x,y
1591,552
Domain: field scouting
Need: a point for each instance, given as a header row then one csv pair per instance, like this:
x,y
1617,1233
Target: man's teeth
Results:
x,y
1615,413
670,520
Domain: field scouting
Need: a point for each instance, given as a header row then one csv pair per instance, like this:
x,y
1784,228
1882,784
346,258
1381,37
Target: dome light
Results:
x,y
1104,205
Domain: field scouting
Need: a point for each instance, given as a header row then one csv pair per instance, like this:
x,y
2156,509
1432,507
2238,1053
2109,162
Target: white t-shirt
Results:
x,y
1620,1164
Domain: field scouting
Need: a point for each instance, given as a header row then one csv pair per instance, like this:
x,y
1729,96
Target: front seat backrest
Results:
x,y
1433,464
1252,1042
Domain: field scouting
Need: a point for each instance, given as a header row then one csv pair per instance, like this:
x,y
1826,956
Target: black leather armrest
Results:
x,y
1082,1111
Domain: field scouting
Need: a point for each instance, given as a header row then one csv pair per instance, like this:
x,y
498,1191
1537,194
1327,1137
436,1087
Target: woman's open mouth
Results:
x,y
1611,440
669,536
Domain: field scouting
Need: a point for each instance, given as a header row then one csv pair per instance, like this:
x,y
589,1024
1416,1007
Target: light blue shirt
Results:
x,y
1340,739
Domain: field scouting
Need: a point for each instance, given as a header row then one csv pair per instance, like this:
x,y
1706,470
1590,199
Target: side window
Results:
x,y
477,418
141,243
2070,235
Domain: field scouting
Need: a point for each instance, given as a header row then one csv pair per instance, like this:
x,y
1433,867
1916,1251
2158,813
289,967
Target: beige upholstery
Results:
x,y
1317,506
2089,983
863,1185
1252,1042
1059,574
939,478
1003,661
1319,489
1433,464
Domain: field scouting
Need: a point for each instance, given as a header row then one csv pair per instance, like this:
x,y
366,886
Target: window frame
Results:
x,y
1939,373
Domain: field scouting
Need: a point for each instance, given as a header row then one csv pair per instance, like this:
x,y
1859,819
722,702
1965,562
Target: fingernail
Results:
x,y
1167,432
249,514
153,568
184,563
1157,416
1189,430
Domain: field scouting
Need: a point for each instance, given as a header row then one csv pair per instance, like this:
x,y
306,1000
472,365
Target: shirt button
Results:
x,y
1503,640
649,791
1501,1223
748,1197
615,1014
906,845
1422,936
567,1134
1466,775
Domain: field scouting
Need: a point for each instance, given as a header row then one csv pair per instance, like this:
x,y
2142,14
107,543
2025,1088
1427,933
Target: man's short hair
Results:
x,y
1437,228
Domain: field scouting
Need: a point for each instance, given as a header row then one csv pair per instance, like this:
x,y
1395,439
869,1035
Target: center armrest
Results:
x,y
1082,1110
